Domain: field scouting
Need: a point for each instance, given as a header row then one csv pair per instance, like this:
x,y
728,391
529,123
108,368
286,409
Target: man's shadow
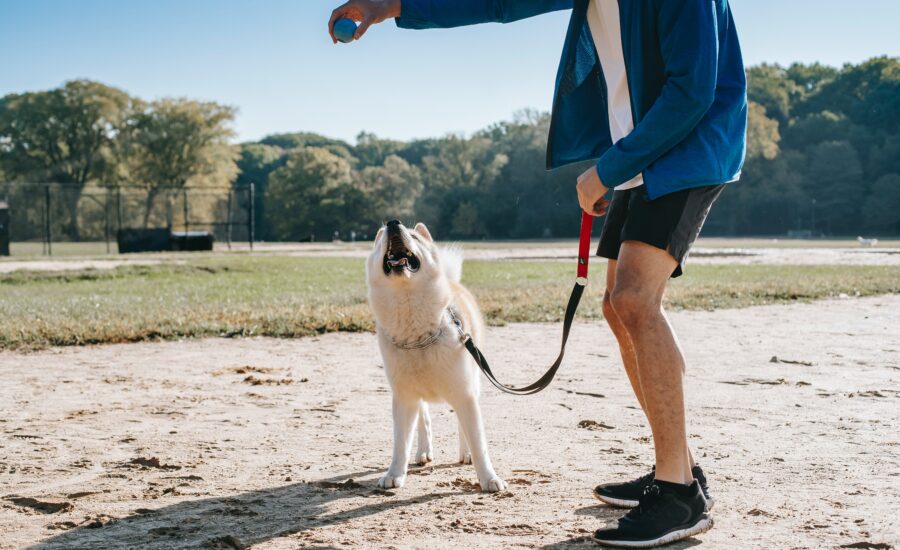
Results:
x,y
240,520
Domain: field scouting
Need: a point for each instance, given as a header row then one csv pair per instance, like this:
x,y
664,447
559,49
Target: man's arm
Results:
x,y
430,14
689,44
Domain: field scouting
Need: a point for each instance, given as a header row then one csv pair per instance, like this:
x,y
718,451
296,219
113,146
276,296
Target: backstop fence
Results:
x,y
53,213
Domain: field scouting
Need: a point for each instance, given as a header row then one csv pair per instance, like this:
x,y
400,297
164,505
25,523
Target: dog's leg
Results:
x,y
405,412
469,414
465,457
424,450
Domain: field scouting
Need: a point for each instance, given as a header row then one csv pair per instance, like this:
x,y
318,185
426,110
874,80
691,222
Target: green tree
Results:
x,y
885,158
881,211
525,200
869,94
172,143
460,171
769,86
834,180
466,223
762,133
313,195
62,136
391,191
255,163
371,150
296,140
810,77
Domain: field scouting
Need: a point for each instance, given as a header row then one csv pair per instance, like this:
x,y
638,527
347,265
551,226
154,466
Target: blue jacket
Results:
x,y
685,74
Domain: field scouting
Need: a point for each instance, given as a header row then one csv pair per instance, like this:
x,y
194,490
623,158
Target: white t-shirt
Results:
x,y
604,22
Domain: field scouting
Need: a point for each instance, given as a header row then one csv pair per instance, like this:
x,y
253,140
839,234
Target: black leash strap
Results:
x,y
571,308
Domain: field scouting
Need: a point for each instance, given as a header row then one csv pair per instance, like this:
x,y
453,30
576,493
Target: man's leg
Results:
x,y
626,346
641,274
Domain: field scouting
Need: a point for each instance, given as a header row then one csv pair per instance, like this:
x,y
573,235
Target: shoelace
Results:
x,y
647,504
647,479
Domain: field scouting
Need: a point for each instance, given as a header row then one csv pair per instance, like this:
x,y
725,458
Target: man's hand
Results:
x,y
591,193
366,12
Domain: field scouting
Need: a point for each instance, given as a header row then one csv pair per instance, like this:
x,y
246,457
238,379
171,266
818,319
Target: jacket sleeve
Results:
x,y
437,14
688,40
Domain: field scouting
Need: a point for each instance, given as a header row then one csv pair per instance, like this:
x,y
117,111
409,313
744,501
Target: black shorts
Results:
x,y
671,222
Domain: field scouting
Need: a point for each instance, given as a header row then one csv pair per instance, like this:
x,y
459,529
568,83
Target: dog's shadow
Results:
x,y
240,520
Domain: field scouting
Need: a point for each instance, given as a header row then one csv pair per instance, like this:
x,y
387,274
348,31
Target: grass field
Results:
x,y
243,295
23,250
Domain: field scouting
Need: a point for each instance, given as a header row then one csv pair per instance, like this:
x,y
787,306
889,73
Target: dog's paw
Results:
x,y
495,485
465,458
423,457
388,481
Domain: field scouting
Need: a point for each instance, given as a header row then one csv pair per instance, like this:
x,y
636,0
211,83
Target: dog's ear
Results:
x,y
423,232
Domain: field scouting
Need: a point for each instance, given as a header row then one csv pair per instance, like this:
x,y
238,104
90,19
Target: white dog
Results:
x,y
420,310
866,242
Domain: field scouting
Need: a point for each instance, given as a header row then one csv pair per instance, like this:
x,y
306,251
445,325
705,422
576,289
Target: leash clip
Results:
x,y
463,335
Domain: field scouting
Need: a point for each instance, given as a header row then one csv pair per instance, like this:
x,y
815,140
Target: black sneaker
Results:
x,y
667,512
698,474
626,495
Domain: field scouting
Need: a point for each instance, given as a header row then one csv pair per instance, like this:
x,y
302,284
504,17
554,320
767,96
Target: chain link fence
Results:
x,y
53,214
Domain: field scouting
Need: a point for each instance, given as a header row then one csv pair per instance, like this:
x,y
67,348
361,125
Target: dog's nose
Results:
x,y
393,223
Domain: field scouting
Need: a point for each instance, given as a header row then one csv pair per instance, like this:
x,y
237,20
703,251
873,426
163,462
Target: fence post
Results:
x,y
185,209
47,223
118,208
228,220
106,220
251,219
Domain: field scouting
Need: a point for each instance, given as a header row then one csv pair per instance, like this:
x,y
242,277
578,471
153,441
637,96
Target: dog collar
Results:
x,y
426,342
432,338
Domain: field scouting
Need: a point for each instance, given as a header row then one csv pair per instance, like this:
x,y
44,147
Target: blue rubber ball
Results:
x,y
344,29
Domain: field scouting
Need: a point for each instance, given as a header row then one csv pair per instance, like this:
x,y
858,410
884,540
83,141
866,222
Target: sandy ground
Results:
x,y
278,443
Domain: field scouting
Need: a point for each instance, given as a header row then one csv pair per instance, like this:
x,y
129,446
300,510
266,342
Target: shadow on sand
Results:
x,y
241,520
254,517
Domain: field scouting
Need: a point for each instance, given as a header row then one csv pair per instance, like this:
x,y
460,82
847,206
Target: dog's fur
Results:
x,y
866,242
409,300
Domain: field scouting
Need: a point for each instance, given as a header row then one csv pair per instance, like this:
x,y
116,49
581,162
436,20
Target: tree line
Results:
x,y
823,159
87,135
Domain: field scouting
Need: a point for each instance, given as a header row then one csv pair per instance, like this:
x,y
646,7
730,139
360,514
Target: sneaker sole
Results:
x,y
624,503
617,502
703,525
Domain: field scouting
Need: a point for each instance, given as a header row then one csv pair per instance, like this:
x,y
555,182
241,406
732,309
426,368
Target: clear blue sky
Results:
x,y
274,60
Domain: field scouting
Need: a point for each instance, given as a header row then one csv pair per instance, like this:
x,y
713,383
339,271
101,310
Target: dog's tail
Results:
x,y
452,260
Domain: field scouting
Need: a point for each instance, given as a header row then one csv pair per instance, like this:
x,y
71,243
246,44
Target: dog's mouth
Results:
x,y
399,258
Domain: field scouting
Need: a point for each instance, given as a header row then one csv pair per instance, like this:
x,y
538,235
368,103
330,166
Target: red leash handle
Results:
x,y
584,247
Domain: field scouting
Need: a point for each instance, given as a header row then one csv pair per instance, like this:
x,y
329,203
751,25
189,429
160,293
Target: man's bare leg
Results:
x,y
641,274
626,346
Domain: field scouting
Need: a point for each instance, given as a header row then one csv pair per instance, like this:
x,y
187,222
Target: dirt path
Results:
x,y
9,266
278,443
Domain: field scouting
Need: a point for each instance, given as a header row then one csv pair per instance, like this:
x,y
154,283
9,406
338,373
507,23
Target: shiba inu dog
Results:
x,y
421,310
